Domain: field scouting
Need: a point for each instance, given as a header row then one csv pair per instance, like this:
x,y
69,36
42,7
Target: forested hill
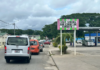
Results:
x,y
51,30
92,18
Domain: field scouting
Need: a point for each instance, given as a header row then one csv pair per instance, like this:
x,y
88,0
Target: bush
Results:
x,y
55,44
64,48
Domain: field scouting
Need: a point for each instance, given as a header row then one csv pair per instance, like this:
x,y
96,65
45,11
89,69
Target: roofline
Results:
x,y
89,28
17,35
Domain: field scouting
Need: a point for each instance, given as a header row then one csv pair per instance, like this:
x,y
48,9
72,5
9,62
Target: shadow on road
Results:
x,y
35,53
18,62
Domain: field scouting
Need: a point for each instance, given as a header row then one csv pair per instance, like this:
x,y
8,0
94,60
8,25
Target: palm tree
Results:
x,y
65,36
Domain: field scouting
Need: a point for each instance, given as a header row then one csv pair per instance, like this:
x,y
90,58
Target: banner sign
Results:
x,y
68,24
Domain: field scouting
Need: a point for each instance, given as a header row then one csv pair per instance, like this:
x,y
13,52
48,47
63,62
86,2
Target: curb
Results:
x,y
53,60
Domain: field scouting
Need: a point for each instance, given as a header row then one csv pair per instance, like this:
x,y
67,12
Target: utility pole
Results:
x,y
14,28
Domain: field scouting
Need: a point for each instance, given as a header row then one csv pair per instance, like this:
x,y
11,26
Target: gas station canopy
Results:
x,y
90,28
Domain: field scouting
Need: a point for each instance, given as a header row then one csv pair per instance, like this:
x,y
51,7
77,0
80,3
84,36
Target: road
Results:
x,y
38,62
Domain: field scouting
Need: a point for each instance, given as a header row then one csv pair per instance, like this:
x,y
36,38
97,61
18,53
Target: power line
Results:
x,y
4,21
9,24
17,26
5,26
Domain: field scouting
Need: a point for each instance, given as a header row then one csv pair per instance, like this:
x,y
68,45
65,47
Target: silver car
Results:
x,y
17,47
41,46
79,41
88,43
42,41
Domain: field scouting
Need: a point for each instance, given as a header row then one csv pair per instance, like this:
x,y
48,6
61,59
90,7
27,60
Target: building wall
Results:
x,y
3,39
34,37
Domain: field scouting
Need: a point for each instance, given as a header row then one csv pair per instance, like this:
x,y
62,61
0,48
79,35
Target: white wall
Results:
x,y
3,39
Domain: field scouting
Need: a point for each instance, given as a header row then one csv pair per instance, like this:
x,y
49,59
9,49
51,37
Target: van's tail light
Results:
x,y
5,49
28,50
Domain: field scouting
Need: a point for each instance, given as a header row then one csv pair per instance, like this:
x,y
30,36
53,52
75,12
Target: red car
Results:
x,y
47,42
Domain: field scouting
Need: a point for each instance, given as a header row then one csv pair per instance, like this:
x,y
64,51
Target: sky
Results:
x,y
35,14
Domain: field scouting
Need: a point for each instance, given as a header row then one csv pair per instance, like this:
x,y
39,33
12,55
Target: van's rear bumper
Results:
x,y
16,57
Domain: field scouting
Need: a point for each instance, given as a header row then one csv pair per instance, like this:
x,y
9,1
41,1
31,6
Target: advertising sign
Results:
x,y
68,24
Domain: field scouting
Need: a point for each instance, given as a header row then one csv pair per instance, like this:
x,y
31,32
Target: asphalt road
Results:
x,y
38,62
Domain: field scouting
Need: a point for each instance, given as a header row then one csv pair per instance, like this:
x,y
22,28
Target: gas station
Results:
x,y
95,29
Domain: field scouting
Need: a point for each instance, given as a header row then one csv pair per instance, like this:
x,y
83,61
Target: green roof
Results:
x,y
1,34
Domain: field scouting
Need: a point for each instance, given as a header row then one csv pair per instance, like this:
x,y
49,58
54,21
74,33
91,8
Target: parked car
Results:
x,y
79,41
41,46
47,42
34,46
17,47
42,41
88,43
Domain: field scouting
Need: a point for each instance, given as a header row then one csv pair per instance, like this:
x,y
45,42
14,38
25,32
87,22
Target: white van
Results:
x,y
17,47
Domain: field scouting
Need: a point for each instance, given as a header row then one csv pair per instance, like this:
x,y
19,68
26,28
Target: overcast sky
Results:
x,y
35,14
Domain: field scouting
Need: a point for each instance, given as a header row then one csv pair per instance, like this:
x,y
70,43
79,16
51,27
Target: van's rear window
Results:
x,y
17,41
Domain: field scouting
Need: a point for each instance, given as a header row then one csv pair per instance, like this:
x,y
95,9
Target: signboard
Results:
x,y
68,24
87,37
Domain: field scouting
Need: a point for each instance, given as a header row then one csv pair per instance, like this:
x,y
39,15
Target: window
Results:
x,y
33,42
17,41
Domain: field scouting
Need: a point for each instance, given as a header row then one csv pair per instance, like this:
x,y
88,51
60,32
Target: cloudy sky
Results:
x,y
35,14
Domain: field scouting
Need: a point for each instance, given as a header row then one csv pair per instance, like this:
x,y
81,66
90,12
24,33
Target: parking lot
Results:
x,y
94,50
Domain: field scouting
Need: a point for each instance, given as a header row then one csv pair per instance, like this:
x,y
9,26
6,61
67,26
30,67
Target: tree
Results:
x,y
47,31
29,32
91,18
64,36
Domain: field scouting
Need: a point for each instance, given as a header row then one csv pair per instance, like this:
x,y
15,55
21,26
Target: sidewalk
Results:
x,y
71,62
